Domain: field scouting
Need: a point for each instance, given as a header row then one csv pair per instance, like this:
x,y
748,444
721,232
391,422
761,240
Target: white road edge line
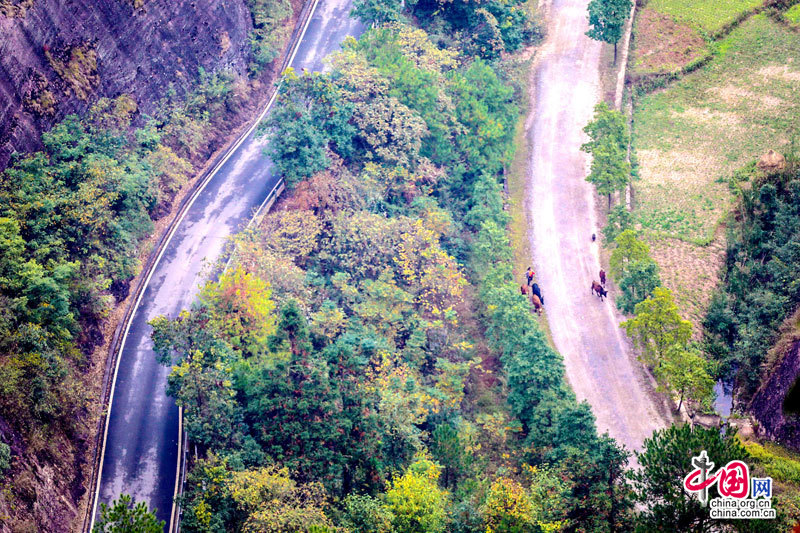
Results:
x,y
158,260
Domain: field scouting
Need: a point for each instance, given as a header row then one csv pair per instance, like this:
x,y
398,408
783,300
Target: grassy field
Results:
x,y
708,16
692,136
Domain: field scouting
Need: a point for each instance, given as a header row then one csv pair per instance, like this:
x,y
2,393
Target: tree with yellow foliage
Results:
x,y
417,503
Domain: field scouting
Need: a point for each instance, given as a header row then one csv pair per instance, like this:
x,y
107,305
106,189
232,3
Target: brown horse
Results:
x,y
537,304
597,288
602,277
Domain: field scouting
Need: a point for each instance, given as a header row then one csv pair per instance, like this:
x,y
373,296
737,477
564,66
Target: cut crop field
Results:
x,y
692,136
663,43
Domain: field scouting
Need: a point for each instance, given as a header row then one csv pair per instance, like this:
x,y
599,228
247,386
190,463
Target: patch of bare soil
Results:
x,y
663,44
691,272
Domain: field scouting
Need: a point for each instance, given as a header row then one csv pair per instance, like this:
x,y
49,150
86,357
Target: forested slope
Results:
x,y
367,360
76,215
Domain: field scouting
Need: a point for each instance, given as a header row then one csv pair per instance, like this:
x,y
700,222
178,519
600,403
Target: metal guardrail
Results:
x,y
118,337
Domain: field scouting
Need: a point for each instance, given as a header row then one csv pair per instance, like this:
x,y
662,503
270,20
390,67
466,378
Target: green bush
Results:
x,y
5,457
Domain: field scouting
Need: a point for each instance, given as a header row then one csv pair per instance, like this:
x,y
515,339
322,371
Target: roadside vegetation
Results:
x,y
662,337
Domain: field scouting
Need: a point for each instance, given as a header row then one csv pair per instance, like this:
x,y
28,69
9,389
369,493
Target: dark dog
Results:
x,y
602,277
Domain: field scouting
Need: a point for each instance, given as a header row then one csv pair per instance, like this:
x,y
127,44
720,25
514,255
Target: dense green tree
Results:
x,y
601,498
627,251
378,11
688,373
269,30
309,118
637,284
207,503
761,270
450,446
126,516
365,514
619,219
416,502
657,328
607,20
606,123
5,457
665,461
608,144
489,27
205,391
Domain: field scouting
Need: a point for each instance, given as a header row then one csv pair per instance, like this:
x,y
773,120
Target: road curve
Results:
x,y
140,453
561,212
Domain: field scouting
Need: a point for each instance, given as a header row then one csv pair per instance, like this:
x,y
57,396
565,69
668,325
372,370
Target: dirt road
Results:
x,y
561,214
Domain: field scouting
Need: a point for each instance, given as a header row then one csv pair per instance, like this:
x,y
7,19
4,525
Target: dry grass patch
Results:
x,y
736,96
662,44
690,272
781,72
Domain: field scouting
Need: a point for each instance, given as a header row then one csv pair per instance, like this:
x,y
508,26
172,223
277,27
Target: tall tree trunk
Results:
x,y
609,201
615,52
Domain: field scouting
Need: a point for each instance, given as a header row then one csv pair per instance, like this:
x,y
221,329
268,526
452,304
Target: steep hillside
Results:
x,y
57,57
776,404
122,102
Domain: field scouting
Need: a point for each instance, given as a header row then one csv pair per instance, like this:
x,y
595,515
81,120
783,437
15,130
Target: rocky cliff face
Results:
x,y
776,405
58,56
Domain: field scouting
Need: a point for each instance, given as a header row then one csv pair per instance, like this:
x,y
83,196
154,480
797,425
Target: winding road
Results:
x,y
561,214
140,449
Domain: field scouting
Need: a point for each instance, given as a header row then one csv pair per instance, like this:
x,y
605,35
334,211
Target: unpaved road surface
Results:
x,y
561,212
140,453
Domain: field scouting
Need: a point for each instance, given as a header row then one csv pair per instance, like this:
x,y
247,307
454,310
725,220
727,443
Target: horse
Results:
x,y
602,277
537,291
537,304
597,288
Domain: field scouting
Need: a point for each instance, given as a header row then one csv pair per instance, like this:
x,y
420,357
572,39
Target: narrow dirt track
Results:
x,y
561,213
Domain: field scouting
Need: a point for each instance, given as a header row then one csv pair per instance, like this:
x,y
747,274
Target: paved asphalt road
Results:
x,y
561,211
141,452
